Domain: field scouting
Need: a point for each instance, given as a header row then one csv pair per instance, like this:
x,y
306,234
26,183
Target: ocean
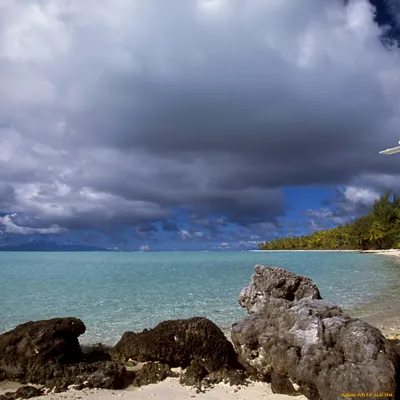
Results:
x,y
116,292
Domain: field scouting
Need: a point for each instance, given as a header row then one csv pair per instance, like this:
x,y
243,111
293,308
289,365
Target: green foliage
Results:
x,y
379,229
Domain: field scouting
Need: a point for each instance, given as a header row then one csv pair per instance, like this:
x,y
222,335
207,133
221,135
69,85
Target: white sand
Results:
x,y
170,389
388,252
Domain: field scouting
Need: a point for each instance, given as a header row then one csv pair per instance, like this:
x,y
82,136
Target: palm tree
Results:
x,y
377,233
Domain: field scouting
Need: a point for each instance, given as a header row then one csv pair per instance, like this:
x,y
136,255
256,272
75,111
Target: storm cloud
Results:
x,y
121,113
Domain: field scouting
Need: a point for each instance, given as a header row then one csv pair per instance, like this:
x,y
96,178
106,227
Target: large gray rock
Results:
x,y
306,345
277,283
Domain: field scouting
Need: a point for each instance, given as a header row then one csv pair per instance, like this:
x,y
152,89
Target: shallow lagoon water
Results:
x,y
116,292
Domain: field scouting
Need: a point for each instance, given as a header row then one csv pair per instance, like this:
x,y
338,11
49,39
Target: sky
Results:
x,y
194,124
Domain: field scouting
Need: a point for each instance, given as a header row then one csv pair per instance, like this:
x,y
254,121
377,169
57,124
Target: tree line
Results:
x,y
379,229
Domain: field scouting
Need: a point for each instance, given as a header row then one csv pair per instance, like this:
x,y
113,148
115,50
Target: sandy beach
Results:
x,y
388,252
170,389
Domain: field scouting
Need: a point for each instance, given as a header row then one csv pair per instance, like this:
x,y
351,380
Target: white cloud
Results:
x,y
106,119
364,196
185,235
7,225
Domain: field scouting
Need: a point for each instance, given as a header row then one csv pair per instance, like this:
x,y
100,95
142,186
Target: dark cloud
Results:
x,y
169,226
129,112
7,196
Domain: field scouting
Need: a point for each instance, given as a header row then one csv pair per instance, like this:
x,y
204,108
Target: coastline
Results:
x,y
388,322
388,252
314,251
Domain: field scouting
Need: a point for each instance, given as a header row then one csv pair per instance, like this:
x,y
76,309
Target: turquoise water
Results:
x,y
116,292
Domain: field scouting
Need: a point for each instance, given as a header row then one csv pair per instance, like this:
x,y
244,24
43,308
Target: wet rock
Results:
x,y
194,374
177,343
310,343
100,374
48,352
96,352
195,344
29,346
233,377
152,372
24,392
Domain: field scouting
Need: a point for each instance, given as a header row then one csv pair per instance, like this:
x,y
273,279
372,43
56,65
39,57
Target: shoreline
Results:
x,y
385,252
306,250
388,252
168,389
387,321
386,314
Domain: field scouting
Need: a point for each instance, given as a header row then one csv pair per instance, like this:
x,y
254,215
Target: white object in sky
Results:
x,y
393,150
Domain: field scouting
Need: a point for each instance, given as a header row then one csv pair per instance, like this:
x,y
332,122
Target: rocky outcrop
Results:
x,y
196,344
24,392
48,353
303,344
275,283
40,342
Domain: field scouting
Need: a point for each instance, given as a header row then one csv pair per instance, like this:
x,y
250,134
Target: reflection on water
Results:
x,y
385,304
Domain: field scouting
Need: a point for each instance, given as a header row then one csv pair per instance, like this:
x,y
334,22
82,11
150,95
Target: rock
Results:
x,y
33,344
152,372
233,377
96,352
99,374
277,283
309,343
282,384
24,392
196,344
177,343
194,374
48,353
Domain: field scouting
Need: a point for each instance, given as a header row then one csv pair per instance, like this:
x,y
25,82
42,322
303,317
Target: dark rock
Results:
x,y
194,374
24,392
33,344
48,353
282,384
177,343
277,283
312,343
100,374
152,372
96,352
234,377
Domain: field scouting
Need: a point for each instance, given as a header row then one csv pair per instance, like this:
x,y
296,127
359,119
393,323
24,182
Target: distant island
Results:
x,y
377,230
50,246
